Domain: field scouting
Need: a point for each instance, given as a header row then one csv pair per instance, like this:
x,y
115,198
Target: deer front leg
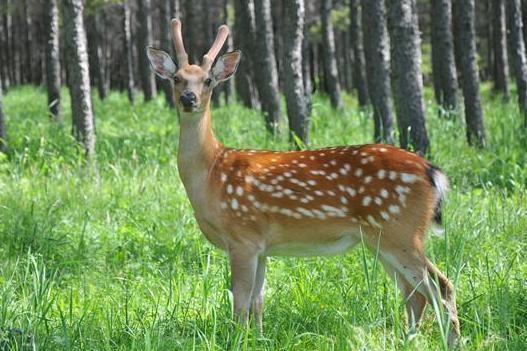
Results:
x,y
257,297
244,262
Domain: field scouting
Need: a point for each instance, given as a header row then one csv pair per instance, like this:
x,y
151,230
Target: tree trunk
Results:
x,y
228,86
78,73
266,73
245,40
26,53
406,48
3,134
297,103
499,39
465,11
328,44
95,53
166,44
377,54
517,46
144,40
128,52
359,66
53,59
443,61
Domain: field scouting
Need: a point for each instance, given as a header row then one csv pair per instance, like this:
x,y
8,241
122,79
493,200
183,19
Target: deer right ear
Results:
x,y
226,66
161,63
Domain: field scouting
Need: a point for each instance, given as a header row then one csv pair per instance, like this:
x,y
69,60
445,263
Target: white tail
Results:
x,y
317,202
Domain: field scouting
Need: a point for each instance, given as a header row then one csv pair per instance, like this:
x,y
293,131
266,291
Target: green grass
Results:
x,y
118,263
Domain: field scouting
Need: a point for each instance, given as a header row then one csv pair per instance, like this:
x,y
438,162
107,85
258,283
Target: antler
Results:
x,y
208,59
181,54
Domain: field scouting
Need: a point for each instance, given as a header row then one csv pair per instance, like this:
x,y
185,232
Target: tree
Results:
x,y
330,62
164,26
377,54
3,134
295,96
96,57
144,40
517,46
465,32
443,61
128,51
78,75
244,39
266,73
53,59
359,69
501,61
406,48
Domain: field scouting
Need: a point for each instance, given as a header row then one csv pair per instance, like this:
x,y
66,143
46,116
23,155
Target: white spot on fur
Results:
x,y
366,200
381,174
229,189
408,177
394,209
234,204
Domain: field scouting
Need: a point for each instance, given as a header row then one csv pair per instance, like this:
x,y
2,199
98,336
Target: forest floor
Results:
x,y
117,262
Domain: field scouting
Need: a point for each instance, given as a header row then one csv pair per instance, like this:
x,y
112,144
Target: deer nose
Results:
x,y
188,99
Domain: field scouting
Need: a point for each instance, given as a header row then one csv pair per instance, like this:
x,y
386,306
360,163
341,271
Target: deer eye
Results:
x,y
208,81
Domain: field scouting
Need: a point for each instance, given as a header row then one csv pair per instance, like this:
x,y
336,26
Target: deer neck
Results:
x,y
198,150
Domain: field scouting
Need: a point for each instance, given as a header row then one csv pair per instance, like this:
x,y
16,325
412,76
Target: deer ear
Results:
x,y
161,63
226,66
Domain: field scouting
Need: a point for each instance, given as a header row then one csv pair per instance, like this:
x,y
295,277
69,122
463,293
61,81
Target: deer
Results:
x,y
259,203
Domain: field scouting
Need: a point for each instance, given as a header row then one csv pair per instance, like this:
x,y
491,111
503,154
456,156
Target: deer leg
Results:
x,y
421,275
244,264
257,297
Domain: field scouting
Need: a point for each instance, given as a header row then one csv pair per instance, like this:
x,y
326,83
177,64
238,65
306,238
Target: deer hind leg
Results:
x,y
257,296
421,275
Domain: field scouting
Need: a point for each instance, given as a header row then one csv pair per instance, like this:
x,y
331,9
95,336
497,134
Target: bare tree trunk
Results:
x,y
517,46
266,73
328,44
377,54
53,59
78,73
3,133
244,39
499,39
128,52
164,27
145,40
359,66
306,61
27,69
406,48
297,103
228,86
443,61
465,11
95,53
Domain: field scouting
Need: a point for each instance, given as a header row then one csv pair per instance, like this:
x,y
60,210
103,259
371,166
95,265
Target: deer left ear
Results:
x,y
226,66
161,63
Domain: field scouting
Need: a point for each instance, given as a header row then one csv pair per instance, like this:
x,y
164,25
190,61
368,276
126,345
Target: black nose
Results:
x,y
188,99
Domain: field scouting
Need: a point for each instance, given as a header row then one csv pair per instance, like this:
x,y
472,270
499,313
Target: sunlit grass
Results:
x,y
118,263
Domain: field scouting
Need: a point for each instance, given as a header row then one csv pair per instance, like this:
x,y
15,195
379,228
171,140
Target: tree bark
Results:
x,y
465,12
443,61
406,48
78,73
145,40
499,40
245,40
296,98
517,46
95,53
53,59
377,54
328,45
266,72
359,66
166,44
228,86
3,133
128,52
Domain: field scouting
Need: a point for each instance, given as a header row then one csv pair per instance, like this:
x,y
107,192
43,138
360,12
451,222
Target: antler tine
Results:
x,y
181,54
208,59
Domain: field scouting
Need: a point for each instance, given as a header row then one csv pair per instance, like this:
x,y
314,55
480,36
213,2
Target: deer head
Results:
x,y
193,84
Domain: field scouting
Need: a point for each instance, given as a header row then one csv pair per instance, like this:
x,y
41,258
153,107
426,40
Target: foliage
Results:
x,y
118,262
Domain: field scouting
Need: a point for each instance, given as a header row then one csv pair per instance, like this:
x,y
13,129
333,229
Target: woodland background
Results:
x,y
98,245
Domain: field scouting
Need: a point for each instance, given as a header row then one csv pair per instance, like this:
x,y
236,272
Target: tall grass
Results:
x,y
118,262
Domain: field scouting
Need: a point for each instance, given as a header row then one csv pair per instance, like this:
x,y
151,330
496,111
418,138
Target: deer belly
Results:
x,y
321,248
